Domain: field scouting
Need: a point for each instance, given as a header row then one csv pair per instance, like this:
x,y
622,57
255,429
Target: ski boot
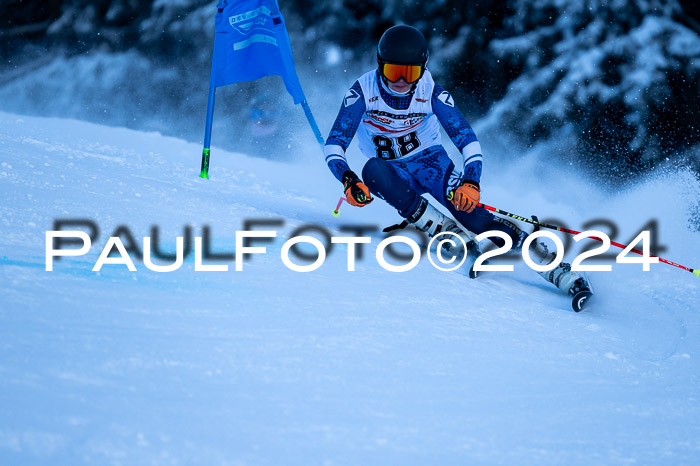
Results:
x,y
430,220
568,281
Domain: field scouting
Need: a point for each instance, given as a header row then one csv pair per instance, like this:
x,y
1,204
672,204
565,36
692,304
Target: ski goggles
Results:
x,y
410,73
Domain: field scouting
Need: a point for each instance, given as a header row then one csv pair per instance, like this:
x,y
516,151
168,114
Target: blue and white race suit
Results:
x,y
400,135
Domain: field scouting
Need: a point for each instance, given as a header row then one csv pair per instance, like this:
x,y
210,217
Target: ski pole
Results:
x,y
336,212
695,272
206,151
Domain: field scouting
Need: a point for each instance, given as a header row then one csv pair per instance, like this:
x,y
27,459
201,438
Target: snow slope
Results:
x,y
270,366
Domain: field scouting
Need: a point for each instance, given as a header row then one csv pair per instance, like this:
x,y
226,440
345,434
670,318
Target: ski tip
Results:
x,y
580,300
696,272
474,274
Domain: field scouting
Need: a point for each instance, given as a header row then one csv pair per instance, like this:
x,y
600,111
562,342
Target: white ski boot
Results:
x,y
430,220
564,278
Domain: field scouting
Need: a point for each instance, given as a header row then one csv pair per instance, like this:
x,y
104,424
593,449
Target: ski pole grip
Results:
x,y
451,195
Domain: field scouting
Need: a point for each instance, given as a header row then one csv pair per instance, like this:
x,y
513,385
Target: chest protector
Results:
x,y
393,134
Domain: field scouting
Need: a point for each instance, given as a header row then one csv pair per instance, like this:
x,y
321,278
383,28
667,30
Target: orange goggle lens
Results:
x,y
394,72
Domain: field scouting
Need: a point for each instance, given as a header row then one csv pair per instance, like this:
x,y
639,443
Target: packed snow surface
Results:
x,y
331,367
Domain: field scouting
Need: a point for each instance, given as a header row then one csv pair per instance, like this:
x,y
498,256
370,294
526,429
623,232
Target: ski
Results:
x,y
474,251
581,294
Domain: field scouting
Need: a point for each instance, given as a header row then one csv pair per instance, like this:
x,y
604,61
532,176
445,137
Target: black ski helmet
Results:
x,y
403,44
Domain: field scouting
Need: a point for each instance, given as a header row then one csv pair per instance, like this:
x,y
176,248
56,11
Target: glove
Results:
x,y
356,193
466,196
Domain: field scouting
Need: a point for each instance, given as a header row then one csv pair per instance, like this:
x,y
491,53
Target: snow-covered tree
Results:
x,y
623,75
619,77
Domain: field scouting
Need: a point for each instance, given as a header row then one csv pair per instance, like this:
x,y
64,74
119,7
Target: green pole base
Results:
x,y
696,272
204,172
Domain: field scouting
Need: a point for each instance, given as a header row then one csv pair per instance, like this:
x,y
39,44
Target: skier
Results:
x,y
397,108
